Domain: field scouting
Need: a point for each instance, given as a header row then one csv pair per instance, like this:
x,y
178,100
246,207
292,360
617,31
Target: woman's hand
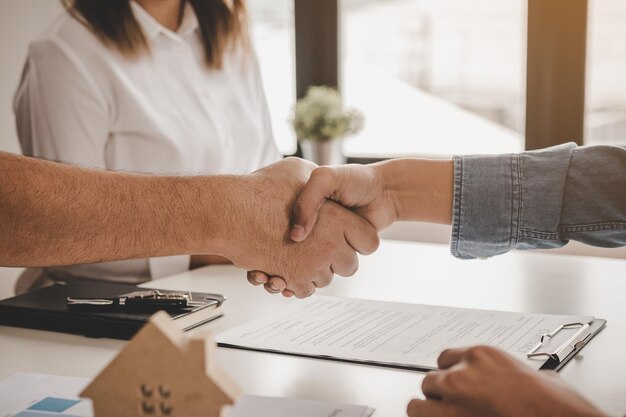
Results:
x,y
361,188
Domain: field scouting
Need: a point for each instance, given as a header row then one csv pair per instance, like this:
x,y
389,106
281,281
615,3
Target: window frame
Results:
x,y
555,63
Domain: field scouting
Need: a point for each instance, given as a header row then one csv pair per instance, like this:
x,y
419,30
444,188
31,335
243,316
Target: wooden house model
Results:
x,y
162,372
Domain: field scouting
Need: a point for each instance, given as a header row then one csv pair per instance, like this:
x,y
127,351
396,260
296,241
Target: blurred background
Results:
x,y
433,77
443,76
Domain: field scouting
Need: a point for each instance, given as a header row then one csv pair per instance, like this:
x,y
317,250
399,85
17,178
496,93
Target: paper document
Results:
x,y
253,406
392,334
39,395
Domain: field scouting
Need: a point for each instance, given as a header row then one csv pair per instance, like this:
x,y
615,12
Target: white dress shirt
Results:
x,y
82,102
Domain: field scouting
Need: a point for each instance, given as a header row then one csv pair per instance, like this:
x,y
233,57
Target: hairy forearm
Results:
x,y
55,214
420,189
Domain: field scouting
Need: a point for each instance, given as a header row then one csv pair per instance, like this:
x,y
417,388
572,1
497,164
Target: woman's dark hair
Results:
x,y
222,23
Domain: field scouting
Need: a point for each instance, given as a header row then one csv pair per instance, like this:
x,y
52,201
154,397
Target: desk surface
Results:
x,y
407,272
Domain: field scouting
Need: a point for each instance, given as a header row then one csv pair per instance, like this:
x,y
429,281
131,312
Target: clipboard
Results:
x,y
347,330
556,359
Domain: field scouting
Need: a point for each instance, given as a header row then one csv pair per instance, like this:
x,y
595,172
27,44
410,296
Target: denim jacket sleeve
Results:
x,y
539,199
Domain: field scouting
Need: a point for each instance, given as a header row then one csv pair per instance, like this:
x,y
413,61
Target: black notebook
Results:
x,y
46,309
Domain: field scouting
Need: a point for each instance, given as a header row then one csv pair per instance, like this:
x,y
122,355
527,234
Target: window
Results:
x,y
273,38
435,77
606,73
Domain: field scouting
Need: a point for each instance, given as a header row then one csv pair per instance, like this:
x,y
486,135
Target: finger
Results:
x,y
305,294
305,286
288,294
483,353
325,279
431,385
277,284
345,264
361,235
321,185
426,408
302,289
451,357
257,278
269,289
252,280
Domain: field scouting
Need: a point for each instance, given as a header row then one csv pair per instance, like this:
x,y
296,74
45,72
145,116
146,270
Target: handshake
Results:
x,y
298,224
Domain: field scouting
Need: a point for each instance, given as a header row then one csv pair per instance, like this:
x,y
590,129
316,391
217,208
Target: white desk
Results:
x,y
419,273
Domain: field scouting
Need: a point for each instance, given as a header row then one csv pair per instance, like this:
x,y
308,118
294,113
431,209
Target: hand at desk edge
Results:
x,y
483,381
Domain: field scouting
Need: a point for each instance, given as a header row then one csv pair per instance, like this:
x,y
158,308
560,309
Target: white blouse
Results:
x,y
82,102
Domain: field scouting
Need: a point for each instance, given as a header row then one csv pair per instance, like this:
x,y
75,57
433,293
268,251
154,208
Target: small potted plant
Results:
x,y
321,122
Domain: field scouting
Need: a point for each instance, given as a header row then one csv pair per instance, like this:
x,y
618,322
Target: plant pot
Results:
x,y
328,152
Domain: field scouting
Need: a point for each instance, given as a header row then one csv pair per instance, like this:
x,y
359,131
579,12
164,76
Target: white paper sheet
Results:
x,y
392,334
20,391
253,406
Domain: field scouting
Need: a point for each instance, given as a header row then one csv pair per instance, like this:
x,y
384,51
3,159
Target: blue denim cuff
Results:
x,y
502,202
485,212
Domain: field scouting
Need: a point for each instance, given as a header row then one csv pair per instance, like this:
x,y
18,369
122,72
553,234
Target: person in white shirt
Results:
x,y
152,86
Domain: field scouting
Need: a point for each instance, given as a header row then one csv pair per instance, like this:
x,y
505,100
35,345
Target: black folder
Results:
x,y
46,309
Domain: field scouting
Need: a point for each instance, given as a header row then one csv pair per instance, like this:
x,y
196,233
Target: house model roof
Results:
x,y
162,372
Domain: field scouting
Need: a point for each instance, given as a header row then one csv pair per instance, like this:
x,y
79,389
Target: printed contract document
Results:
x,y
393,334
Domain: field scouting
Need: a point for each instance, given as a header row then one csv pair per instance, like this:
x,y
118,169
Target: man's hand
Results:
x,y
486,382
260,240
359,187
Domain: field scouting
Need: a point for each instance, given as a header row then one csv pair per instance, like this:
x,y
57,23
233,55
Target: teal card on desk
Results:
x,y
49,407
52,404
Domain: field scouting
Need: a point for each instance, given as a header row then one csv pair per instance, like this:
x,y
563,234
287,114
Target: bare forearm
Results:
x,y
55,214
420,189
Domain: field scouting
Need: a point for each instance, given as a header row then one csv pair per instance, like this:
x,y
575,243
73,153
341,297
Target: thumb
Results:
x,y
321,185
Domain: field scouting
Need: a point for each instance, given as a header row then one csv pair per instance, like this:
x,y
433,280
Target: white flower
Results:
x,y
320,116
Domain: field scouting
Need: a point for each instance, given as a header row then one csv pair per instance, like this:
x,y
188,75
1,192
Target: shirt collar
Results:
x,y
190,21
152,28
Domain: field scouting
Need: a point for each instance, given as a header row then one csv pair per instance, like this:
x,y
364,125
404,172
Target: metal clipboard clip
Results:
x,y
574,343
